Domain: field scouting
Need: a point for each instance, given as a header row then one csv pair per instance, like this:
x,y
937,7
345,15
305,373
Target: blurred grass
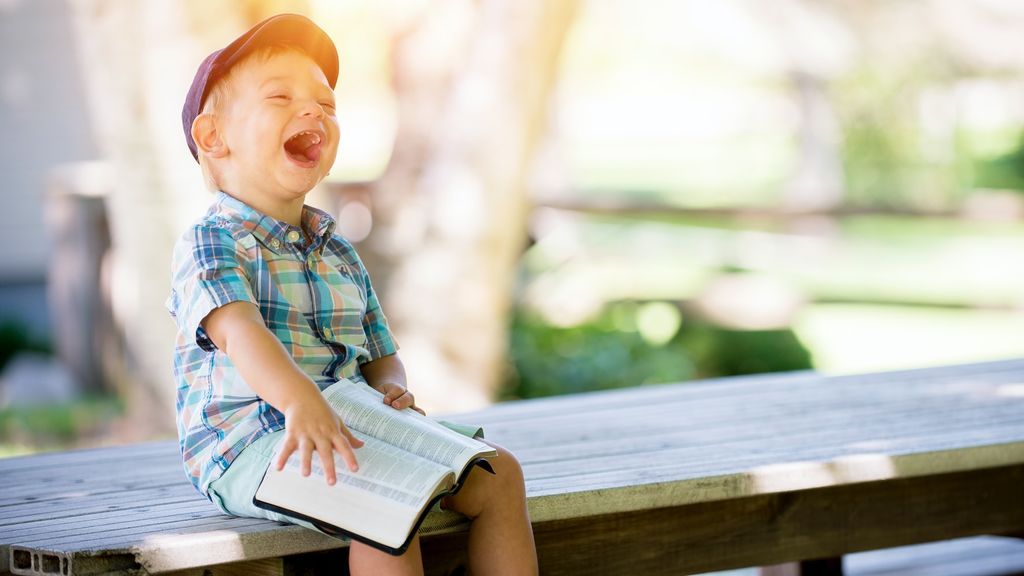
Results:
x,y
621,347
12,450
851,338
662,167
881,292
868,259
27,429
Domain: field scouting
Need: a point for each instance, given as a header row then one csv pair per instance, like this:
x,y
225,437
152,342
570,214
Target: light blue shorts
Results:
x,y
234,490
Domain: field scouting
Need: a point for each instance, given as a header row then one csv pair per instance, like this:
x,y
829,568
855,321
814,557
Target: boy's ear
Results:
x,y
207,136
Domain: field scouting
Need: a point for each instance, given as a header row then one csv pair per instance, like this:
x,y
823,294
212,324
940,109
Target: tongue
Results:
x,y
312,153
303,148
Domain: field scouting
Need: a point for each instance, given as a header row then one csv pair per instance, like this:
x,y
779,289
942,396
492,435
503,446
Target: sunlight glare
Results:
x,y
803,475
1010,390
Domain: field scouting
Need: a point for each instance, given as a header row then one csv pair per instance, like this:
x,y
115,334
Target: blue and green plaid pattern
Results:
x,y
316,298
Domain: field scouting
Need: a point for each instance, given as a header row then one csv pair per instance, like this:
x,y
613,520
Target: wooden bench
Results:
x,y
668,479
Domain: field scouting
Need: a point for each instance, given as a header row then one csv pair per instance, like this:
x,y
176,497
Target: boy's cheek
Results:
x,y
332,153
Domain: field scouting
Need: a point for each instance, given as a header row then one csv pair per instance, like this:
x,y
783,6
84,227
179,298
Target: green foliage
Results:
x,y
15,338
880,141
25,429
890,158
609,352
57,426
721,351
549,360
1005,171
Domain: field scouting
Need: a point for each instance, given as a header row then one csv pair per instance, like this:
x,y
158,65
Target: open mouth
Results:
x,y
304,147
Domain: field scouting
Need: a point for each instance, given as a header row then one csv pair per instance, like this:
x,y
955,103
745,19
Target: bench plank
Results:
x,y
602,457
160,514
982,555
88,504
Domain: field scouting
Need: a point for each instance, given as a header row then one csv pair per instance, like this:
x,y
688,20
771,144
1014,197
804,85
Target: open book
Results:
x,y
408,463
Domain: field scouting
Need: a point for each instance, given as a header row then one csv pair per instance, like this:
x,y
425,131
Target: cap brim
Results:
x,y
286,30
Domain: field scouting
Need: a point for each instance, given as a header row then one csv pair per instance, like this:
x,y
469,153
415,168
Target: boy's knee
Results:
x,y
507,468
508,481
483,490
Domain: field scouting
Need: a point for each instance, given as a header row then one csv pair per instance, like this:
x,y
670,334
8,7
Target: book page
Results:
x,y
384,470
363,410
381,501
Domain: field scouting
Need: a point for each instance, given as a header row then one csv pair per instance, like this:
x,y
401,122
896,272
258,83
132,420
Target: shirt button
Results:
x,y
275,243
328,333
292,236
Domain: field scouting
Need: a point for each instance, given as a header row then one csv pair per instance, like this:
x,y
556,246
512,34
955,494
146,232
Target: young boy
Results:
x,y
272,306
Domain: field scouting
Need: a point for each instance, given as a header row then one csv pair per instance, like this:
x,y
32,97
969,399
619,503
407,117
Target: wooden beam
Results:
x,y
265,567
774,528
817,567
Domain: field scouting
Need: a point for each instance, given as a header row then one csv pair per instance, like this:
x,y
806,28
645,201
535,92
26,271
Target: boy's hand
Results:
x,y
238,330
398,396
313,425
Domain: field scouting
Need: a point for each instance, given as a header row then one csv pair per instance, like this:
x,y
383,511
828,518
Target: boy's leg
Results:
x,y
501,536
364,560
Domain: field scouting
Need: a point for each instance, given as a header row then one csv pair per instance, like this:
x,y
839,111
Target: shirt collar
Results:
x,y
271,232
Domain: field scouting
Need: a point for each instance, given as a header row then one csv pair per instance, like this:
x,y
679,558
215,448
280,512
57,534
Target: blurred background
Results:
x,y
551,196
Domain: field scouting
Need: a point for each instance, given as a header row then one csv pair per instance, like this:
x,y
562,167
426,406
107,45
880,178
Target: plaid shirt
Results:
x,y
315,298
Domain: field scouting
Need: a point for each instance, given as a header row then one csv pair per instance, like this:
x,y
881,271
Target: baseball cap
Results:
x,y
281,30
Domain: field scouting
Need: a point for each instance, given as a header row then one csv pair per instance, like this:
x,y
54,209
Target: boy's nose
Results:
x,y
312,108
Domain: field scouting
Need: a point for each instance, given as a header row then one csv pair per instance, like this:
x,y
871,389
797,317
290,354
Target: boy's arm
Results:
x,y
387,375
310,424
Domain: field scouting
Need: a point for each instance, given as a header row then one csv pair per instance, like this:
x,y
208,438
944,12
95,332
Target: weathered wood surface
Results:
x,y
979,556
689,477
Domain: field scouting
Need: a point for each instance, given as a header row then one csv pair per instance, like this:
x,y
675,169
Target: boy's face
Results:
x,y
279,126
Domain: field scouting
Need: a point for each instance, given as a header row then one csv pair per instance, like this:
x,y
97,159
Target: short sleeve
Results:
x,y
211,268
379,340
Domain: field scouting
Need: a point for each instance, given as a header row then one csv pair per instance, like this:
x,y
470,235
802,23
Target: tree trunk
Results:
x,y
473,82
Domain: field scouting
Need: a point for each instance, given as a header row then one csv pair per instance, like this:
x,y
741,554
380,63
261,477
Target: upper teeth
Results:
x,y
316,137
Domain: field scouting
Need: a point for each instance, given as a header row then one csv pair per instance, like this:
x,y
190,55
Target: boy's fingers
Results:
x,y
352,440
394,392
327,461
403,400
286,450
282,458
307,455
345,451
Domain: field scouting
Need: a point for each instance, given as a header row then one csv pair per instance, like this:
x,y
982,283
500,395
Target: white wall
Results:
x,y
43,123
